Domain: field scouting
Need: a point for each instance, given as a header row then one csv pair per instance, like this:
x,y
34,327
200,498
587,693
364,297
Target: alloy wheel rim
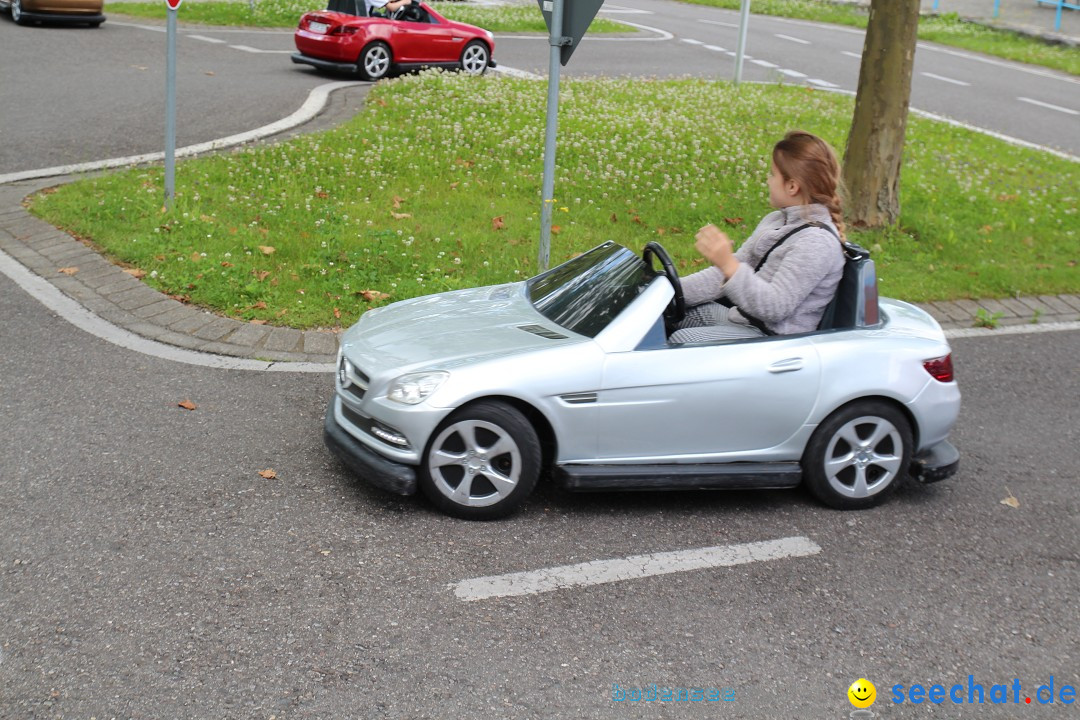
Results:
x,y
376,61
475,60
863,457
475,463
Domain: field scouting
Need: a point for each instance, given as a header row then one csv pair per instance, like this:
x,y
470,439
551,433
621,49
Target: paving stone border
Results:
x,y
119,298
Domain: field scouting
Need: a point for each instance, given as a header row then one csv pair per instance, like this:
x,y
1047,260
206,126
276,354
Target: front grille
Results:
x,y
358,382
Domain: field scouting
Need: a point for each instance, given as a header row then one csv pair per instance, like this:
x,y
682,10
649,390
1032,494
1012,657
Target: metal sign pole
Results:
x,y
170,109
740,51
556,41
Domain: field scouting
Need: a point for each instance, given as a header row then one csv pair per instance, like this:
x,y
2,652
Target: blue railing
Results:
x,y
1059,4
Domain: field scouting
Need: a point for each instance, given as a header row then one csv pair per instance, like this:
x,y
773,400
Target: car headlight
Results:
x,y
415,387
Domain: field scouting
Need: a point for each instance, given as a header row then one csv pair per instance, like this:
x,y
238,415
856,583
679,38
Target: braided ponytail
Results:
x,y
811,162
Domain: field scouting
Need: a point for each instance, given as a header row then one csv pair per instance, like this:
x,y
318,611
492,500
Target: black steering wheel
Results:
x,y
676,309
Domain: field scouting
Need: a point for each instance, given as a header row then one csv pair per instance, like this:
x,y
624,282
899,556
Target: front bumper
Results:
x,y
396,477
935,463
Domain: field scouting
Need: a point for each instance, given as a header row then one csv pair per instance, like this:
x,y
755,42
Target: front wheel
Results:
x,y
17,13
474,58
482,463
374,61
859,455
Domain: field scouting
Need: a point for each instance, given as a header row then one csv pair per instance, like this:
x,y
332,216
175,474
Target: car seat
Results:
x,y
855,303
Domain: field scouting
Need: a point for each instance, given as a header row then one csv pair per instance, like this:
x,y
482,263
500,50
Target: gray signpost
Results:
x,y
567,21
170,102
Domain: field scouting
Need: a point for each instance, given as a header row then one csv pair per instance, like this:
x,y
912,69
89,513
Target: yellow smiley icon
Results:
x,y
862,693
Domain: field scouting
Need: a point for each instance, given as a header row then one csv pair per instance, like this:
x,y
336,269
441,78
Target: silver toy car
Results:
x,y
471,395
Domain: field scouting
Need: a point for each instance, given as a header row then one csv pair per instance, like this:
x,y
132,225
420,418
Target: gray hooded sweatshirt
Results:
x,y
791,290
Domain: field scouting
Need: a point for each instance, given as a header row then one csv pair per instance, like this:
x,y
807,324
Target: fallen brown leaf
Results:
x,y
68,270
267,249
136,273
1010,500
337,313
261,305
187,405
373,295
258,322
497,223
268,474
733,221
397,202
555,229
399,216
260,275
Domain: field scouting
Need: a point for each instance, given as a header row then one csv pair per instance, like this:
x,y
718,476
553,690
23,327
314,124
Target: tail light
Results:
x,y
940,368
345,30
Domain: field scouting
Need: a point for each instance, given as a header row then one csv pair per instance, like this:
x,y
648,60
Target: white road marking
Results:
x,y
207,39
857,56
635,567
48,295
660,35
791,73
691,41
247,48
622,9
1048,105
765,63
821,83
1025,329
942,78
314,104
716,48
1001,63
721,24
792,39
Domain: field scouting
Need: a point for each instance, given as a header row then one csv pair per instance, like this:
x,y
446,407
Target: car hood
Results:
x,y
450,329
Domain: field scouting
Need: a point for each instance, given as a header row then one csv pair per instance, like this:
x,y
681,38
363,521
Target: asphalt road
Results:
x,y
147,570
73,95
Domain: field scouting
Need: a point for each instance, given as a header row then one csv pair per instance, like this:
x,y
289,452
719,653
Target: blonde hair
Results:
x,y
811,162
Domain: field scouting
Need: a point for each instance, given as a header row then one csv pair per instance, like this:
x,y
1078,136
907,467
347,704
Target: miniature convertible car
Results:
x,y
472,395
343,38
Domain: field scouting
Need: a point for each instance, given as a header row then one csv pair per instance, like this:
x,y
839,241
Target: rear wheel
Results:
x,y
482,463
374,61
859,455
474,58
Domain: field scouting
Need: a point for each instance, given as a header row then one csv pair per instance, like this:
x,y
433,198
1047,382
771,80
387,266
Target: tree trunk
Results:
x,y
876,141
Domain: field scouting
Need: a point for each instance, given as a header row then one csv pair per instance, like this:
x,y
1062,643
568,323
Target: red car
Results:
x,y
414,36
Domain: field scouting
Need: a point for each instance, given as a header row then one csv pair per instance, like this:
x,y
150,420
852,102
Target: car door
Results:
x,y
706,402
419,40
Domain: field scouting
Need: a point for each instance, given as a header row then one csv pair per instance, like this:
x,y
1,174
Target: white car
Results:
x,y
471,396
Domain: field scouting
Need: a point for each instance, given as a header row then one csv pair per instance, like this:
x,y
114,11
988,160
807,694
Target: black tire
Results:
x,y
482,462
17,13
475,57
375,61
859,455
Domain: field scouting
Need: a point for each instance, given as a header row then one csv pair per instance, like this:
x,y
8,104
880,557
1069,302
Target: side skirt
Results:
x,y
730,476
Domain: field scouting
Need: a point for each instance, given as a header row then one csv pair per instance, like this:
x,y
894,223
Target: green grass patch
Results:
x,y
435,185
286,13
946,29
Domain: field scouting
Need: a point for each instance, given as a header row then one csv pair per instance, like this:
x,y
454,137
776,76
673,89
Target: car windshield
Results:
x,y
584,294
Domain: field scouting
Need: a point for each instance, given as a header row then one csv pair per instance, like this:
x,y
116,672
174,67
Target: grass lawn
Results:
x,y
946,29
436,186
286,13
